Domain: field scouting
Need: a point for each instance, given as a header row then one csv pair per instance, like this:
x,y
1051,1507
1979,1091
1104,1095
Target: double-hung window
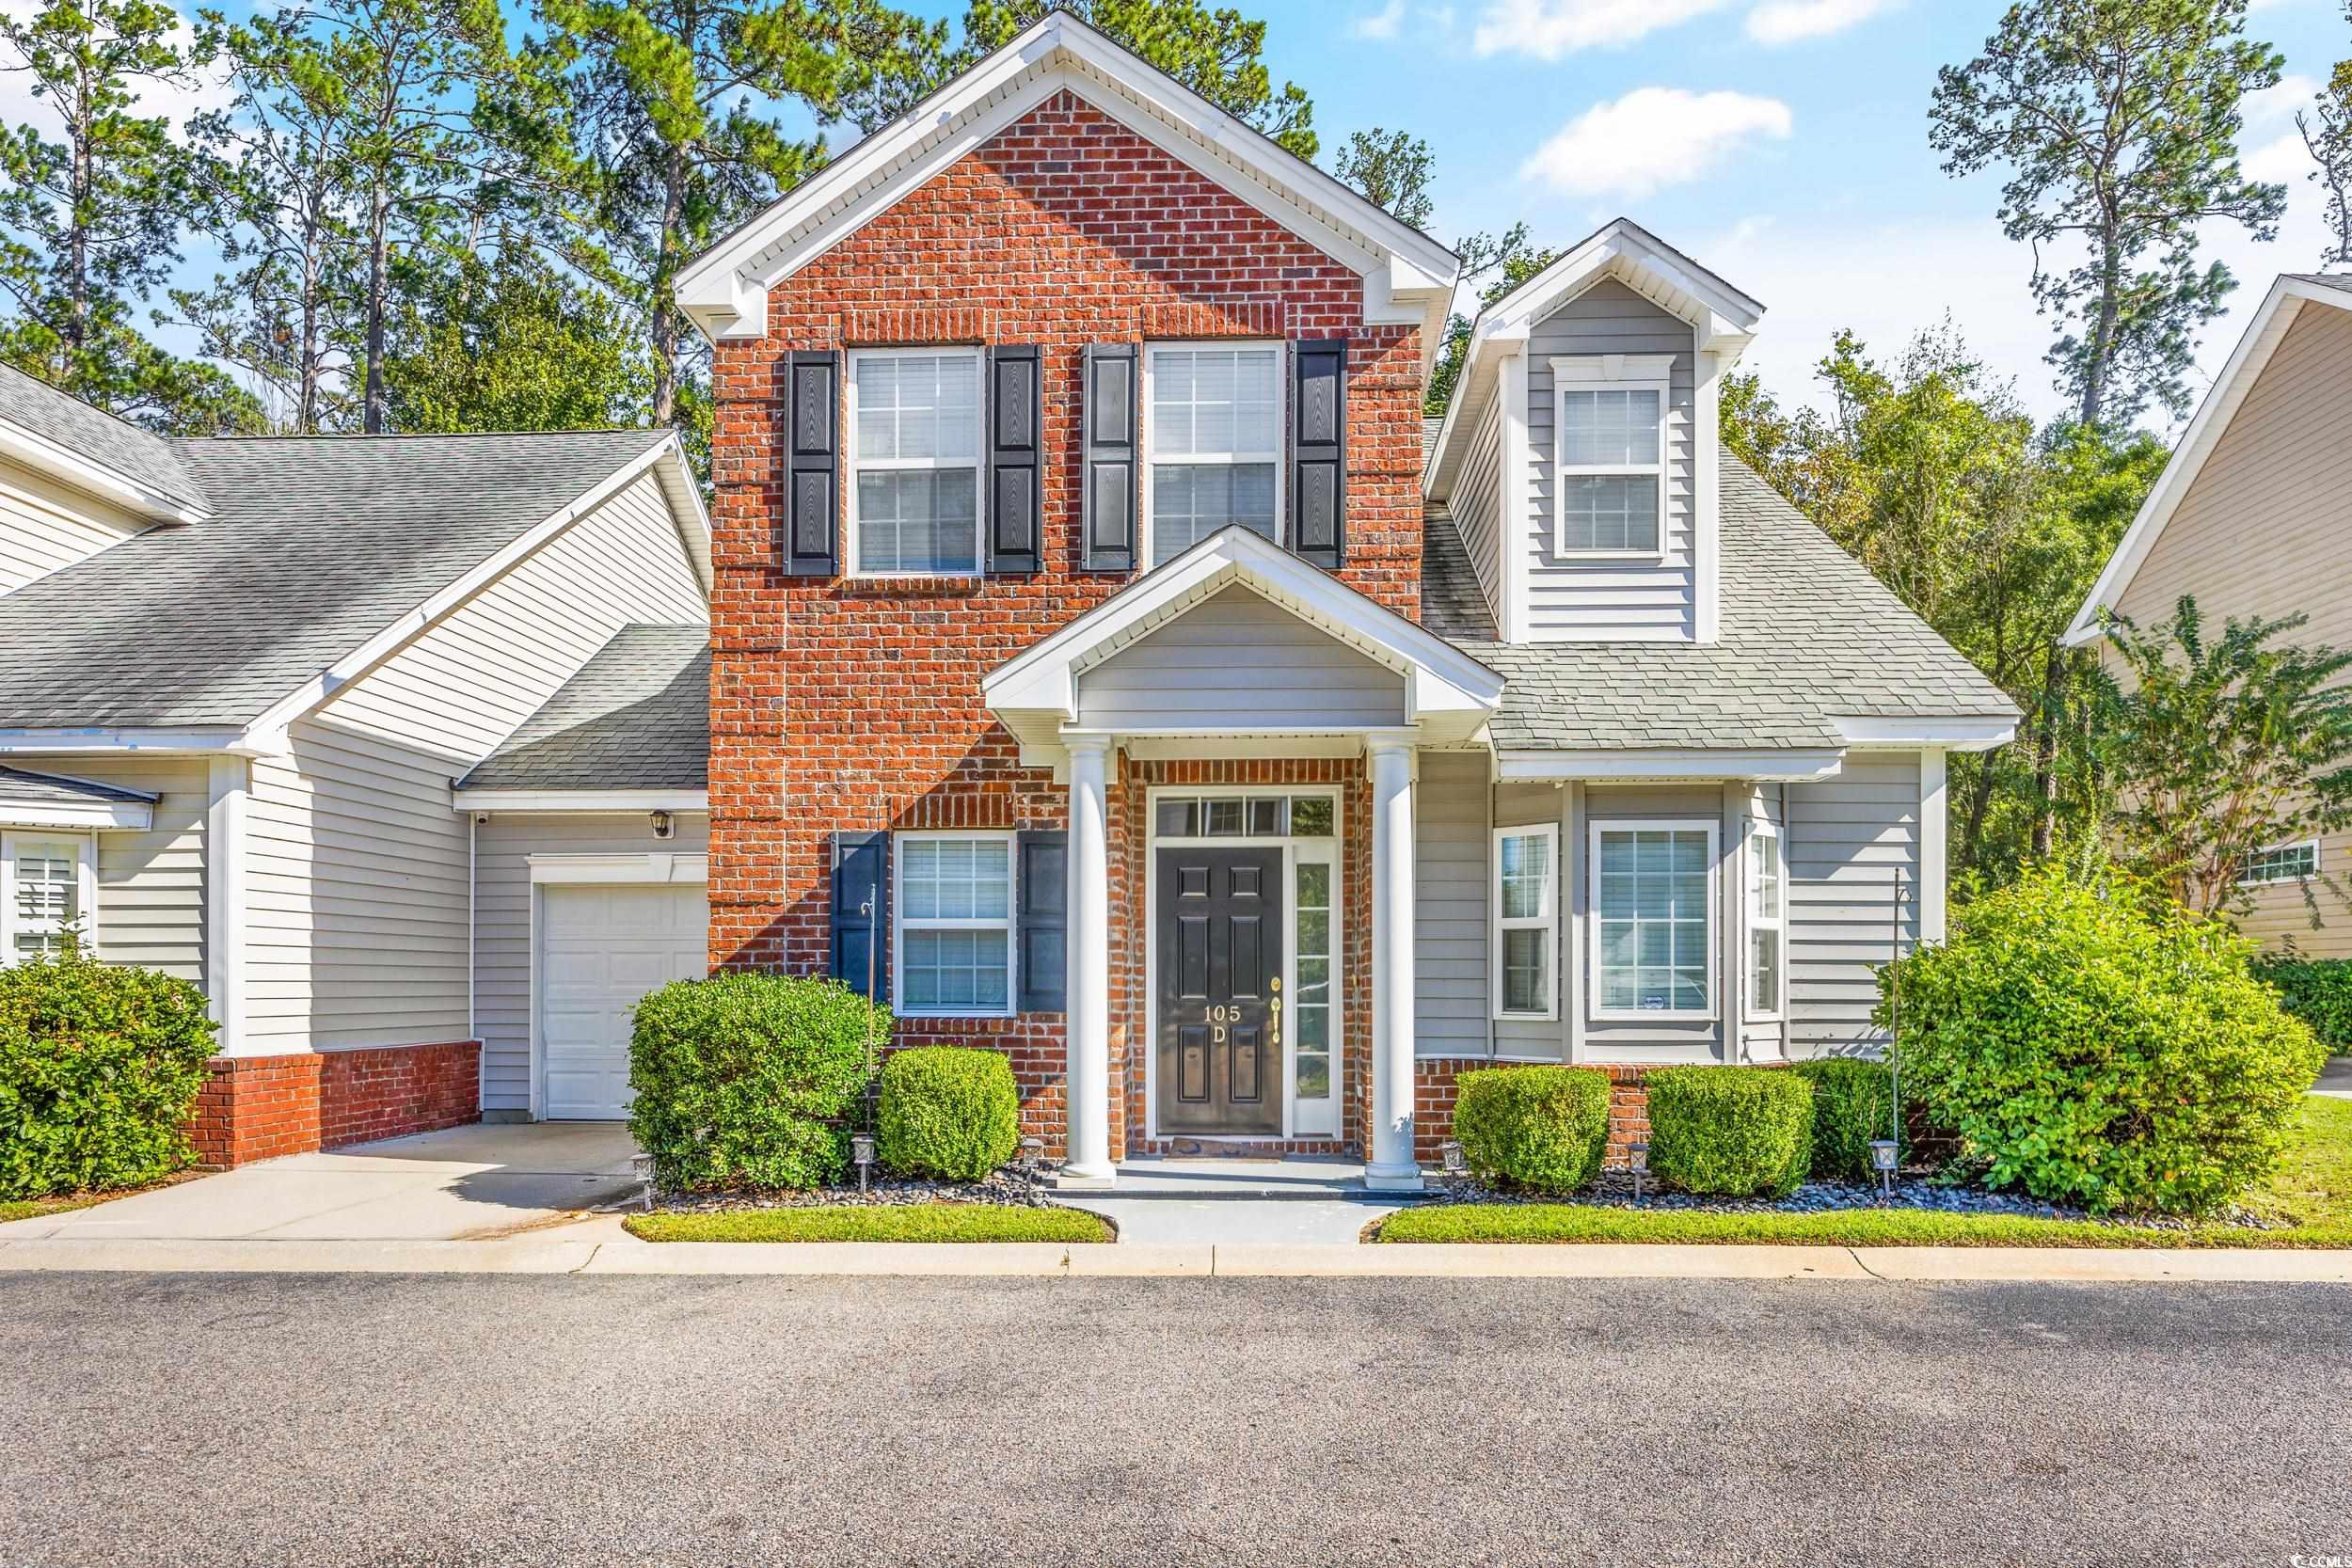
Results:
x,y
2288,862
44,881
914,462
955,915
1653,919
1526,921
1214,443
1767,883
1610,431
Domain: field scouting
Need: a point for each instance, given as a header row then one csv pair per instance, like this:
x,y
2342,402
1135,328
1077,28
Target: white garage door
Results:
x,y
601,948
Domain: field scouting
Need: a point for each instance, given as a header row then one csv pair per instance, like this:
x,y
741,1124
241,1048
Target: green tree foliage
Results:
x,y
1392,169
90,215
1506,261
1218,54
2118,122
2327,128
2210,749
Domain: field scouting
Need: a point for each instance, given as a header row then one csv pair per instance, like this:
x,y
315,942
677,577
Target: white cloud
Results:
x,y
2282,161
1653,136
1550,28
1779,22
1382,25
2277,106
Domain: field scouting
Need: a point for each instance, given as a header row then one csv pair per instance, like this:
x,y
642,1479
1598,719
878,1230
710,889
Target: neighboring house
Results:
x,y
1105,654
238,682
2254,517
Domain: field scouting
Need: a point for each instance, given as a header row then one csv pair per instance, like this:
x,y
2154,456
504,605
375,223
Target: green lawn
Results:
x,y
928,1221
2313,1189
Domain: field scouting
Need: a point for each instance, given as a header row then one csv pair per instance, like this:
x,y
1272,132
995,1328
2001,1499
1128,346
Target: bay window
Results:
x,y
914,462
1526,921
1653,919
1214,443
954,909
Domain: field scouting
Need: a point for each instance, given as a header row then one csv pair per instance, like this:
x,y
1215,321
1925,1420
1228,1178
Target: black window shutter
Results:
x,y
1319,451
1016,413
1044,881
811,447
860,910
1113,439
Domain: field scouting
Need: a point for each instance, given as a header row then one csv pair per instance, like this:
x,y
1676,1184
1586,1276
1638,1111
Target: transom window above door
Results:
x,y
914,462
1214,444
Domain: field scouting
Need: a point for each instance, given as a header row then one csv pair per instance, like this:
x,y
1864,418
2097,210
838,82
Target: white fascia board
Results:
x,y
188,741
100,816
1979,733
580,799
686,509
267,733
39,453
2246,364
1766,766
661,867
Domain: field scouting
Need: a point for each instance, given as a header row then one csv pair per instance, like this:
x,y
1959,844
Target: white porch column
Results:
x,y
1090,964
230,784
1392,1167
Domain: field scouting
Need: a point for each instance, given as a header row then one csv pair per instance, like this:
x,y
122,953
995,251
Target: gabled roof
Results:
x,y
319,549
2263,334
1722,319
1409,276
635,716
91,450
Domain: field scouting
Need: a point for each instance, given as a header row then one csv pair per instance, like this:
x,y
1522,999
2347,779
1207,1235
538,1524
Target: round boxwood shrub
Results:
x,y
2318,991
948,1111
1854,1103
1733,1132
100,1069
1541,1128
740,1078
2095,1044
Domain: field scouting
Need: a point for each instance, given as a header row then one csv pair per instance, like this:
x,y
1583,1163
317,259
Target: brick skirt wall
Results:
x,y
1434,1096
260,1107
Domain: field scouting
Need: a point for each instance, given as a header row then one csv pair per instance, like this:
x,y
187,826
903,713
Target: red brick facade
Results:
x,y
260,1107
845,706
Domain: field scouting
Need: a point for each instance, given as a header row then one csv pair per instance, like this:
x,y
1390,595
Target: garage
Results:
x,y
601,948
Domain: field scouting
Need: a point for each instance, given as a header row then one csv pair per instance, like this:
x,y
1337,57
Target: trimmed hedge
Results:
x,y
2318,991
1733,1132
1540,1127
1853,1106
100,1070
741,1078
948,1111
2096,1044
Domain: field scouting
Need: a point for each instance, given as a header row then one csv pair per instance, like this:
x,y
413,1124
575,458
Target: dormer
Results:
x,y
1578,457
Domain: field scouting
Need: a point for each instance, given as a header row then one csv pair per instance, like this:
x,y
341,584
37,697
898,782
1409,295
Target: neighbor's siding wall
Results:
x,y
1237,657
44,525
2264,531
502,923
1478,501
1606,600
150,884
1846,840
1450,955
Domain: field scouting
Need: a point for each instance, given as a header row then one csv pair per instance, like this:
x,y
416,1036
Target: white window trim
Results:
x,y
1009,925
1548,922
1615,372
1713,828
85,856
2249,878
1279,457
1777,924
852,463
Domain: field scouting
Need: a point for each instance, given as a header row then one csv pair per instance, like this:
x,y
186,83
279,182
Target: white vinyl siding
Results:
x,y
45,527
1241,661
1846,841
1213,440
913,454
1449,919
1478,501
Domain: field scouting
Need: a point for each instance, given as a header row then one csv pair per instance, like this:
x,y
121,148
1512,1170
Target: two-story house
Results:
x,y
1106,660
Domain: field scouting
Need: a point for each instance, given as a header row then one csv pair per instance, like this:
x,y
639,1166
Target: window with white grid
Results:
x,y
1526,921
914,462
1610,454
42,893
1214,443
955,923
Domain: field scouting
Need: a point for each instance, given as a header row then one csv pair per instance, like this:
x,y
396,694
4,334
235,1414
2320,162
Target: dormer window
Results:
x,y
1611,415
1212,443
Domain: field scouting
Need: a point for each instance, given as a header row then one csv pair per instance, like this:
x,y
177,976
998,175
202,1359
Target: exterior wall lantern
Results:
x,y
665,825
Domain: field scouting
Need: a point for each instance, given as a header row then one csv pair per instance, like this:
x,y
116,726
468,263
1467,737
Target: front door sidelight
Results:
x,y
1221,992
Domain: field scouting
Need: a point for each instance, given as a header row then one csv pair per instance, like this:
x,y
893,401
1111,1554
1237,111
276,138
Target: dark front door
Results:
x,y
1221,992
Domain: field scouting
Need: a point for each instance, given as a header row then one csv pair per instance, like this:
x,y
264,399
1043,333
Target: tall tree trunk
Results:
x,y
664,274
77,243
2102,348
2046,745
379,264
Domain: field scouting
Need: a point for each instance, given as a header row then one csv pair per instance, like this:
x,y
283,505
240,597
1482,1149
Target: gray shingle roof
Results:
x,y
637,716
1808,633
48,789
1452,603
315,544
1430,431
97,435
2339,281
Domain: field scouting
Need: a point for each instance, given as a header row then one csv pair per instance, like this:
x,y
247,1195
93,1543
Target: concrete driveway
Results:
x,y
2335,1079
469,1183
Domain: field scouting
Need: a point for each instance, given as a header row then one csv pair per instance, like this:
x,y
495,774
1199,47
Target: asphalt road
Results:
x,y
518,1420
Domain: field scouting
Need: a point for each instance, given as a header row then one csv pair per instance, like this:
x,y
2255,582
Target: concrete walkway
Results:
x,y
1237,1202
2335,1079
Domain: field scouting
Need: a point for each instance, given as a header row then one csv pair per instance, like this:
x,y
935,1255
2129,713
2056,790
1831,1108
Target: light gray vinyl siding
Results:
x,y
1238,661
45,526
151,882
502,930
1525,805
1449,898
1847,840
1600,599
1644,1040
1478,501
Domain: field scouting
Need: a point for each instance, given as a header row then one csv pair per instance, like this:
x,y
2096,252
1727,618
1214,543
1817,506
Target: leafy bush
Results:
x,y
948,1111
100,1067
741,1077
1853,1104
2318,991
2096,1045
1541,1128
1732,1130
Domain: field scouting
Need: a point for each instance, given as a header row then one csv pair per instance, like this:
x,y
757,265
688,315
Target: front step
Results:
x,y
1205,1178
